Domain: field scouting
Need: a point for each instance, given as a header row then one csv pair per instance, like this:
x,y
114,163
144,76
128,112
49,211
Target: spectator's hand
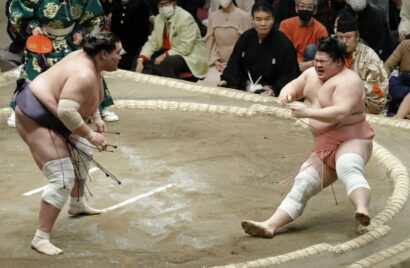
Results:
x,y
402,35
299,110
222,83
220,66
37,31
140,66
77,38
100,125
159,59
268,91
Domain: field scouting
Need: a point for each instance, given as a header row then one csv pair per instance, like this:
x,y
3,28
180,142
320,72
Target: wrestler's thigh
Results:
x,y
357,146
44,144
327,174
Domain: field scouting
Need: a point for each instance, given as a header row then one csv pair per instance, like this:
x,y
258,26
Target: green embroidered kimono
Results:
x,y
59,20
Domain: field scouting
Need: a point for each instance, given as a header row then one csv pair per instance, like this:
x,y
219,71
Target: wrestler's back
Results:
x,y
47,87
319,94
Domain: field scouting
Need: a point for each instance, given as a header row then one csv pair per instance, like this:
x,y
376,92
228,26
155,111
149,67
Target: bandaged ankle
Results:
x,y
42,234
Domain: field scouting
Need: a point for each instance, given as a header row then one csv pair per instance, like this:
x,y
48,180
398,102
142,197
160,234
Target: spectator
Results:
x,y
304,31
286,9
399,86
245,5
12,56
371,18
126,15
64,26
261,54
174,46
365,62
404,26
225,27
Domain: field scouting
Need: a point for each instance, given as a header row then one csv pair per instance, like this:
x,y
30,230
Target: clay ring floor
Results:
x,y
194,161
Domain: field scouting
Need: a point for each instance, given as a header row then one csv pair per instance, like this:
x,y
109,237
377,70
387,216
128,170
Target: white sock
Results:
x,y
42,234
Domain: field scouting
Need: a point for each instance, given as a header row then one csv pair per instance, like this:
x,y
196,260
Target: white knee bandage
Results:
x,y
60,175
307,184
350,170
80,160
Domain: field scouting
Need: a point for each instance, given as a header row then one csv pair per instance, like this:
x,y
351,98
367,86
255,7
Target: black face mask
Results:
x,y
305,15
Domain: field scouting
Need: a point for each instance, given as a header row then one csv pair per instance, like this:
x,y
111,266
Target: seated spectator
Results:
x,y
12,56
126,15
370,19
245,5
404,26
365,62
286,9
263,59
225,27
174,46
399,86
304,31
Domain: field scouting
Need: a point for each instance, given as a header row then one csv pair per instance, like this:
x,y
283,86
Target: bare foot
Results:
x,y
44,246
362,218
84,209
257,229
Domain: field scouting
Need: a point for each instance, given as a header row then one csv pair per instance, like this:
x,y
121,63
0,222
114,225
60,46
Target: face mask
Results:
x,y
224,3
167,11
305,15
358,5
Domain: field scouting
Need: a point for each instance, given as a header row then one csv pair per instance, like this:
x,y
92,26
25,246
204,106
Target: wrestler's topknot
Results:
x,y
332,46
95,43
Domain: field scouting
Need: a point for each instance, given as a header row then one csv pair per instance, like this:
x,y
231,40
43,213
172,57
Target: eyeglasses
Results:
x,y
306,7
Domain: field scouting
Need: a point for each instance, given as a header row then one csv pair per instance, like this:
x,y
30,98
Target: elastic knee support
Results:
x,y
350,170
82,162
307,184
60,175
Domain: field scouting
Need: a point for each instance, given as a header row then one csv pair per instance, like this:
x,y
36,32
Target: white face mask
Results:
x,y
224,3
357,5
167,11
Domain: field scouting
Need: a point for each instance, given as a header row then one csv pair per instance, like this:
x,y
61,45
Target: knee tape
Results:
x,y
350,170
81,162
60,175
307,184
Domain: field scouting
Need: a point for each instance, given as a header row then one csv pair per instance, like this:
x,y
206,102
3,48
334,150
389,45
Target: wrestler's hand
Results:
x,y
284,98
37,31
99,141
77,38
100,125
299,110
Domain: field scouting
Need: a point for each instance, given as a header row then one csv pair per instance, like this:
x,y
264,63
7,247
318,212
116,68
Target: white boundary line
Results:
x,y
42,187
135,198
